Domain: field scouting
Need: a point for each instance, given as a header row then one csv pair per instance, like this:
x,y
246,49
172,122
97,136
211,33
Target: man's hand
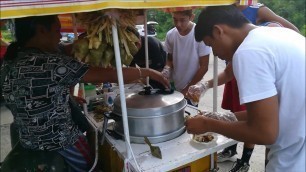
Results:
x,y
195,91
202,122
158,76
197,124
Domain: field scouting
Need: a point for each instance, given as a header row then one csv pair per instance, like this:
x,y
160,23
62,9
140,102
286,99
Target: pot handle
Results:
x,y
148,90
108,116
114,134
188,115
105,122
114,117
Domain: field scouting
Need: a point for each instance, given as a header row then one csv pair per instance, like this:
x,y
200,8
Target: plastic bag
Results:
x,y
222,116
166,72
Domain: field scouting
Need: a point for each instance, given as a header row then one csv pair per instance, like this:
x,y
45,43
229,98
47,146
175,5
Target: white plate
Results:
x,y
214,140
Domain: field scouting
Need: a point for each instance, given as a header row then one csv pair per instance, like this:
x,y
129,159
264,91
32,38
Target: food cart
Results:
x,y
180,153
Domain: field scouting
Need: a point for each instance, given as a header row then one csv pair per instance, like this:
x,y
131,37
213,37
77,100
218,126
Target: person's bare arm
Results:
x,y
203,61
223,77
261,127
267,15
169,61
195,91
241,116
98,75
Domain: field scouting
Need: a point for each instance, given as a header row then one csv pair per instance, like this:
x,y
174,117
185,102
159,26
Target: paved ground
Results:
x,y
6,119
257,159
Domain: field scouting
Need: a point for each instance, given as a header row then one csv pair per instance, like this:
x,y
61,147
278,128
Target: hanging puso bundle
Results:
x,y
96,48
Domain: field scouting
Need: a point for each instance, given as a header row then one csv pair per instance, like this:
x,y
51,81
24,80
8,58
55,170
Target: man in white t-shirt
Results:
x,y
269,65
187,60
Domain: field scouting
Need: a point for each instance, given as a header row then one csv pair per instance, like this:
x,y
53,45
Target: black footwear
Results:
x,y
226,155
240,166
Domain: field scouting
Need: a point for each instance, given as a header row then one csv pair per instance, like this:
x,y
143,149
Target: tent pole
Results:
x,y
75,30
215,93
121,89
215,84
146,42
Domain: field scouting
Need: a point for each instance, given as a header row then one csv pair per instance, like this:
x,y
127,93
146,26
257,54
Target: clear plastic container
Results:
x,y
90,90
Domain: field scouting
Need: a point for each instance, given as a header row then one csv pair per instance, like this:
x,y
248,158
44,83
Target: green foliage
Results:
x,y
164,20
303,30
6,35
291,10
5,31
197,13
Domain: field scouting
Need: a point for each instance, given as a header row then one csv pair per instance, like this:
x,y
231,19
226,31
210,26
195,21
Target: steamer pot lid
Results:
x,y
139,101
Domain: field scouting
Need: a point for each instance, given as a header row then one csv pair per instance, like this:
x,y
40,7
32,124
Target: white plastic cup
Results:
x,y
109,98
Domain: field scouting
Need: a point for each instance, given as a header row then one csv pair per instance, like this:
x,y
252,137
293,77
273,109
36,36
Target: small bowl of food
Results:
x,y
206,138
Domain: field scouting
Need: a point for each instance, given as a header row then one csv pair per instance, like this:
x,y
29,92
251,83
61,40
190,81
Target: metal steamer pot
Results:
x,y
158,115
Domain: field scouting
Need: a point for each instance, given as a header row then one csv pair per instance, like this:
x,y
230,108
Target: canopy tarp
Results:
x,y
23,8
67,23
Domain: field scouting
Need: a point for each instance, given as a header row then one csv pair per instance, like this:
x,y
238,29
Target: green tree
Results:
x,y
165,22
291,10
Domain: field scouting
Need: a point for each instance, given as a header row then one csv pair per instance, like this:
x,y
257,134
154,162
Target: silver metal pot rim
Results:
x,y
156,139
154,105
155,116
152,112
